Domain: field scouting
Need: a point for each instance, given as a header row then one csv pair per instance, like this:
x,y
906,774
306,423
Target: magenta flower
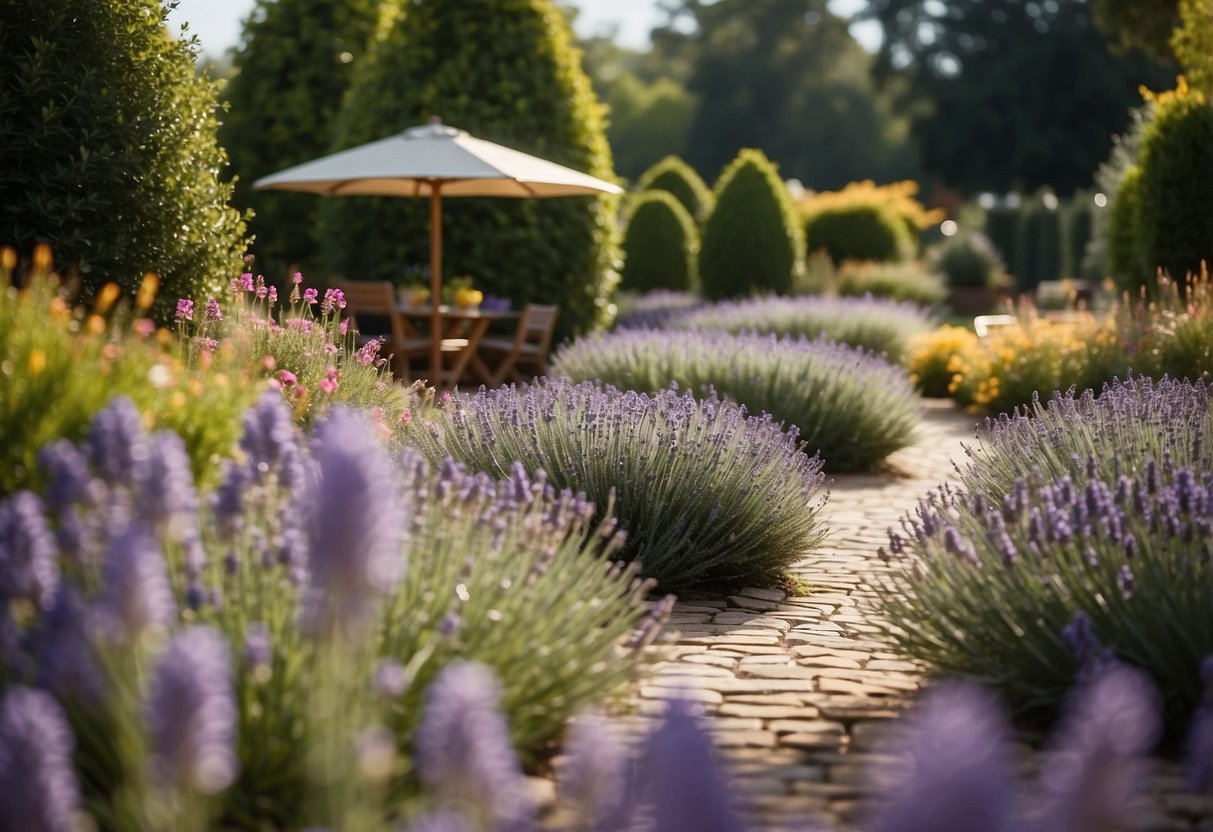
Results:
x,y
345,327
245,282
273,291
369,351
185,310
333,299
328,384
213,312
145,327
310,296
287,378
297,278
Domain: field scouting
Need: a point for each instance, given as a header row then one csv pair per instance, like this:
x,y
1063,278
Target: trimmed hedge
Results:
x,y
752,241
675,176
660,245
1125,260
859,231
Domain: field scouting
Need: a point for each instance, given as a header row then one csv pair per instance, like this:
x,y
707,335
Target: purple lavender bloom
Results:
x,y
464,753
681,777
68,478
958,772
28,567
355,527
391,679
596,777
38,788
269,434
117,444
258,652
190,713
64,655
227,501
1097,756
135,591
167,501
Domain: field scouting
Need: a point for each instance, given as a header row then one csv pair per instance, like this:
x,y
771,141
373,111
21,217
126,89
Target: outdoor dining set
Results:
x,y
469,352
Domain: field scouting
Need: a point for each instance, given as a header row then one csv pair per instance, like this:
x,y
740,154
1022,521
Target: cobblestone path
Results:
x,y
799,690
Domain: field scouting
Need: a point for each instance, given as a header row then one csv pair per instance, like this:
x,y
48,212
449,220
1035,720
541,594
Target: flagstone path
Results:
x,y
799,691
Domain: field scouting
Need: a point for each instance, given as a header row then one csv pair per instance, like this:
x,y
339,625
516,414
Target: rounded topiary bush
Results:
x,y
108,140
876,324
1125,261
660,245
676,177
851,407
1175,219
706,493
1085,524
752,240
858,231
968,259
506,71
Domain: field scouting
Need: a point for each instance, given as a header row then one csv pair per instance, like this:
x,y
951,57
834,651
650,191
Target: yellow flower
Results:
x,y
37,362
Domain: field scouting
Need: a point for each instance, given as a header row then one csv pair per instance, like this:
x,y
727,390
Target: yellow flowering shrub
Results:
x,y
930,355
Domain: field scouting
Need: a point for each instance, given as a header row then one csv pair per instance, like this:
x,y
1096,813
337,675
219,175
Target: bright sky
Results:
x,y
217,22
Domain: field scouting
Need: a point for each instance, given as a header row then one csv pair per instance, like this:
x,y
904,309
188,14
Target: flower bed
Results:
x,y
850,407
705,492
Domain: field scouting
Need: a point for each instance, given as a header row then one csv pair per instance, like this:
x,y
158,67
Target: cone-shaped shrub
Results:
x,y
660,245
108,141
876,324
1125,260
1086,525
1176,212
675,176
506,71
752,240
858,231
293,66
850,407
705,492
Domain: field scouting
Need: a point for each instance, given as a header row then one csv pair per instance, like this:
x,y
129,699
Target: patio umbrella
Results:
x,y
434,160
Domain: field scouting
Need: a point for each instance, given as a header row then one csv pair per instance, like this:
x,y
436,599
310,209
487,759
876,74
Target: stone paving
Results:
x,y
799,691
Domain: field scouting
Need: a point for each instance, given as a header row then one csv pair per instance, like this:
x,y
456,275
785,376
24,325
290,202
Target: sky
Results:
x,y
217,22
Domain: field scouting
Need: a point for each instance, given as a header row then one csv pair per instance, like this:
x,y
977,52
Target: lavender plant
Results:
x,y
875,324
706,492
851,407
652,310
1078,535
276,634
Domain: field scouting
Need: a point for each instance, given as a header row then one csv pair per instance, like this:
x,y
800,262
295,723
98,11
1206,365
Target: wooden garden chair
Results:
x,y
371,307
529,346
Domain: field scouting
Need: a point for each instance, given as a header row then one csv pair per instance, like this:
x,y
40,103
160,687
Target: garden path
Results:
x,y
800,690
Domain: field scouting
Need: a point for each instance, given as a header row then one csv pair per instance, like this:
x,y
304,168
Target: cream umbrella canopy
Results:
x,y
435,160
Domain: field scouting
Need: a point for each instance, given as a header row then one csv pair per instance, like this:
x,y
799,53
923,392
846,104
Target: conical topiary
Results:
x,y
660,245
506,71
108,141
752,240
294,64
675,176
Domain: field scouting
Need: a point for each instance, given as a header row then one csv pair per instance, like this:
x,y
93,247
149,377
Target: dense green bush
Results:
x,y
1038,241
968,259
660,245
1077,222
675,176
912,282
859,231
876,324
1175,219
506,71
851,407
293,66
1000,224
1125,261
108,141
706,493
1085,524
752,241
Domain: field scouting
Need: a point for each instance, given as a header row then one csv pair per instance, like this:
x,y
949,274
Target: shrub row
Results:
x,y
849,407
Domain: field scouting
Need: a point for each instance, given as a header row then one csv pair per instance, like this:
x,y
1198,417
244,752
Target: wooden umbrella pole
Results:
x,y
435,283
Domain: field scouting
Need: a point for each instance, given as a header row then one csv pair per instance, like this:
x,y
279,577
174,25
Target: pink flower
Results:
x,y
368,352
406,416
248,258
260,287
212,310
331,349
287,378
333,299
145,327
273,294
185,310
310,296
245,282
297,278
328,384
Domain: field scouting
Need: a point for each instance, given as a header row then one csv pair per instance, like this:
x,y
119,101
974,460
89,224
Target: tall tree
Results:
x,y
108,142
1009,94
506,71
294,63
787,77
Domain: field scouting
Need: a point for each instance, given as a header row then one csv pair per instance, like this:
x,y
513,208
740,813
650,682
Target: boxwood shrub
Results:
x,y
660,245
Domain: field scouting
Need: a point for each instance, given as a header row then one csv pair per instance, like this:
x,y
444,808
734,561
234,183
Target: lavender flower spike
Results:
x,y
117,443
190,713
38,788
957,774
682,780
1098,753
28,568
354,527
135,591
595,779
464,753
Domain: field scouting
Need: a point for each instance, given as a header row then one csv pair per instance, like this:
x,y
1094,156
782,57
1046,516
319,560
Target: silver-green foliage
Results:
x,y
705,493
1090,512
851,407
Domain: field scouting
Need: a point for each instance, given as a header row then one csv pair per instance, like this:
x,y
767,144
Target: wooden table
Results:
x,y
460,325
